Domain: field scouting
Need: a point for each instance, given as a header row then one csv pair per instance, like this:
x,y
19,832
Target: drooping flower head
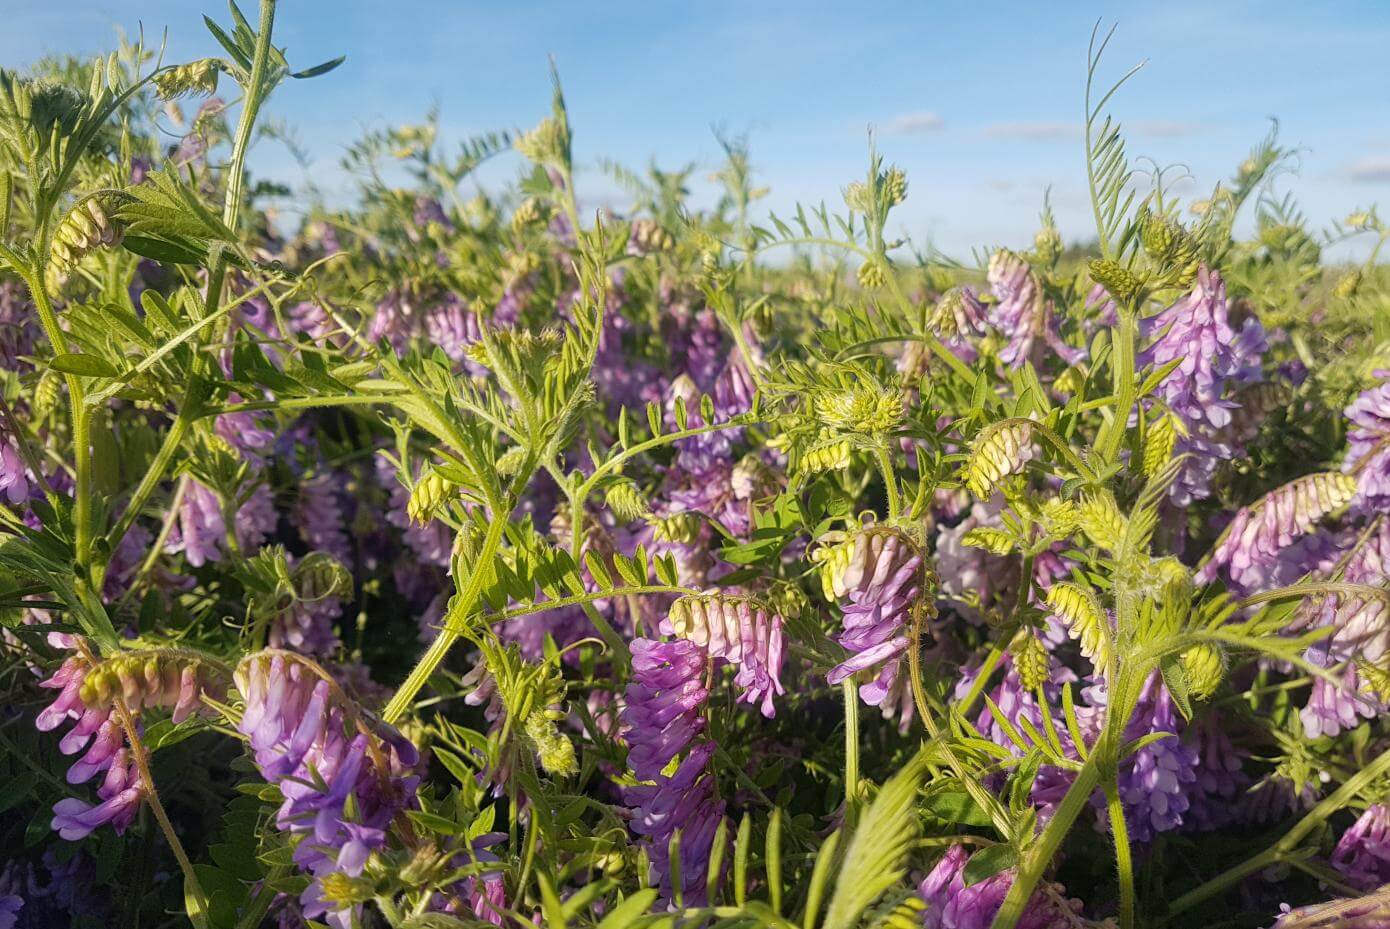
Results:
x,y
664,699
1368,447
876,576
343,775
740,631
1260,533
88,694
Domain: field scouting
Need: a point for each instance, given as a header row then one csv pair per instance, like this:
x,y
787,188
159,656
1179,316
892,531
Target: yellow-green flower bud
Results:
x,y
428,496
196,77
1205,667
1114,277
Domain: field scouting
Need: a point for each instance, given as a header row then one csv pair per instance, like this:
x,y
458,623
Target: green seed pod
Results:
x,y
1081,613
678,528
648,238
1101,520
47,392
832,456
343,891
1348,285
995,541
85,227
1159,441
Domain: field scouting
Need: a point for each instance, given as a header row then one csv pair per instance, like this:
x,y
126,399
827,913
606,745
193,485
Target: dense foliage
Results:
x,y
454,561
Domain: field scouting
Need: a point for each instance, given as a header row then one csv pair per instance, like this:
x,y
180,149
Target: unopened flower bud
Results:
x,y
872,274
196,77
1114,277
428,496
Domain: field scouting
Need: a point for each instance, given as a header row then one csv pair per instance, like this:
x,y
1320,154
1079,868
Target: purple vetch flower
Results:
x,y
1368,447
1333,707
1221,779
14,475
320,517
312,320
344,776
455,328
1362,854
1156,782
953,905
971,578
17,325
87,695
685,801
200,529
249,433
306,625
121,794
663,702
1018,705
876,576
429,210
10,905
483,895
740,632
256,518
1259,533
1360,626
1018,310
1195,333
700,347
395,321
1212,358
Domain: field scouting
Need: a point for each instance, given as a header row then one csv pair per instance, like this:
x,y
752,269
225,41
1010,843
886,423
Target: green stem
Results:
x,y
885,465
1124,858
1122,369
1039,855
1291,839
459,609
82,493
173,440
851,691
142,765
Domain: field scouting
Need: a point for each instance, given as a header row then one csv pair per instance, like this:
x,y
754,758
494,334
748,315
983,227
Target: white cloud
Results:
x,y
915,122
1370,171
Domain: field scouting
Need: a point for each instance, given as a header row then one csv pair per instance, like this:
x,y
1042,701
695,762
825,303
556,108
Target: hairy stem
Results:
x,y
890,483
1039,855
851,692
142,765
1291,839
459,609
1124,858
1122,369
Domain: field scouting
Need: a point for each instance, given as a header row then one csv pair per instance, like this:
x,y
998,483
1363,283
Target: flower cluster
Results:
x,y
344,777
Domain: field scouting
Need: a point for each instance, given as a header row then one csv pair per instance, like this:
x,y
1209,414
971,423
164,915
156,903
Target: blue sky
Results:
x,y
979,102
